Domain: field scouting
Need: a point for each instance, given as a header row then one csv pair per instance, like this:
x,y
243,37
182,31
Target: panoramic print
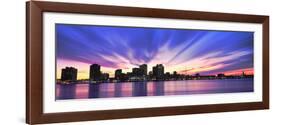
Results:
x,y
113,61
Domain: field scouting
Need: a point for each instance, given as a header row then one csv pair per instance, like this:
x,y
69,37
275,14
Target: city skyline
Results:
x,y
184,51
141,73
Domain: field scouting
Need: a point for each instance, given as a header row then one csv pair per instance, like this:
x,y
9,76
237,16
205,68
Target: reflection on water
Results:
x,y
139,89
106,90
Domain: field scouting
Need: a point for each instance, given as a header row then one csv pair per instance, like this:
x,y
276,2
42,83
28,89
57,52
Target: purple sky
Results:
x,y
185,51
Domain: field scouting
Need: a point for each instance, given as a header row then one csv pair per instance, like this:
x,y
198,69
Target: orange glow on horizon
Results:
x,y
248,71
202,64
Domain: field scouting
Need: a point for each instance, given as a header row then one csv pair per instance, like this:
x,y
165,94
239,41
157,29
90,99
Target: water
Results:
x,y
134,89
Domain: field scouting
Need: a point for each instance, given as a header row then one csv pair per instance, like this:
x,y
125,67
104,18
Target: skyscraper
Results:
x,y
158,72
118,74
143,69
95,72
69,73
136,72
150,73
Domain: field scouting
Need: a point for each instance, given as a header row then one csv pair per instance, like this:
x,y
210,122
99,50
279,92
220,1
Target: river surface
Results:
x,y
159,88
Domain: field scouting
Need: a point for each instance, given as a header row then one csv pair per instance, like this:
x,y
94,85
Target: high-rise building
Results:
x,y
158,72
136,72
95,72
175,75
154,71
150,73
69,73
118,74
143,69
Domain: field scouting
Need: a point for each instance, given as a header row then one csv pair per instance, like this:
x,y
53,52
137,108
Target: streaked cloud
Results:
x,y
184,51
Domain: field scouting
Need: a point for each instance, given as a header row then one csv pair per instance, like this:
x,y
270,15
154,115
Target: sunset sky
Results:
x,y
185,51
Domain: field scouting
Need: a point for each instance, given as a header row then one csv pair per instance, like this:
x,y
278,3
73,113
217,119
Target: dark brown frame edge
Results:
x,y
34,61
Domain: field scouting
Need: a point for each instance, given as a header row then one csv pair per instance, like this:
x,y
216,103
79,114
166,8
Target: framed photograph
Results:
x,y
95,62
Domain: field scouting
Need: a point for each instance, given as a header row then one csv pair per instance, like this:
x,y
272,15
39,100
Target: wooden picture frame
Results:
x,y
34,61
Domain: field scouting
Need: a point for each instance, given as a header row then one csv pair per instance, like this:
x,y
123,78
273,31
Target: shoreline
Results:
x,y
92,82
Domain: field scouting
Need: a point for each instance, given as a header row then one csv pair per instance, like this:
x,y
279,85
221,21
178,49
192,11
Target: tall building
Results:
x,y
136,72
175,75
95,72
150,73
118,74
143,69
158,72
69,73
